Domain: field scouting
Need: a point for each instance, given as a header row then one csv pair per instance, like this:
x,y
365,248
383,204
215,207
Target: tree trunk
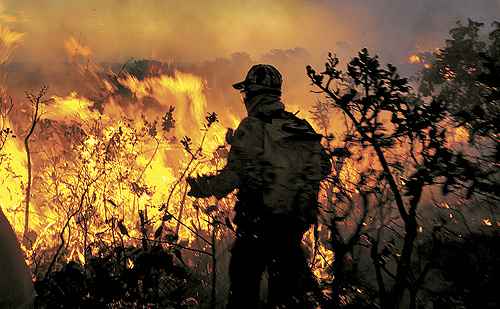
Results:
x,y
36,102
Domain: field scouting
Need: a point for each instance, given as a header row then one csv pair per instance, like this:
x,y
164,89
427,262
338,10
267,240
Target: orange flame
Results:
x,y
75,48
70,108
8,41
414,59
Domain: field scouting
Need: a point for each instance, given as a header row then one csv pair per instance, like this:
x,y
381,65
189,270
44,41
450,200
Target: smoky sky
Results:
x,y
182,30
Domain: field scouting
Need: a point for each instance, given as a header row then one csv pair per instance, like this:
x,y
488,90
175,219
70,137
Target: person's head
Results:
x,y
260,79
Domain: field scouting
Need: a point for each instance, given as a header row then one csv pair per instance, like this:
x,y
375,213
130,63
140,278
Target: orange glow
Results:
x,y
461,134
448,74
112,163
415,59
76,48
8,41
98,164
101,156
487,222
12,181
70,108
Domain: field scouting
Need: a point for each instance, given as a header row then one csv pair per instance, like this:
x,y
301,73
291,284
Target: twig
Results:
x,y
173,244
66,225
189,228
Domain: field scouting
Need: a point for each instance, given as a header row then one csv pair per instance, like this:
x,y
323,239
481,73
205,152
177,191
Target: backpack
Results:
x,y
294,163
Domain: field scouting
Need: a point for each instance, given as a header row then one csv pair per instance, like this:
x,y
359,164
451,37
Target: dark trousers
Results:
x,y
273,243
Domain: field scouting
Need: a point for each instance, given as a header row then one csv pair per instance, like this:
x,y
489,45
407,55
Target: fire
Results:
x,y
321,256
75,48
415,59
461,135
12,181
457,136
183,88
109,170
8,41
487,222
349,174
419,59
95,171
12,158
6,18
448,74
71,108
103,169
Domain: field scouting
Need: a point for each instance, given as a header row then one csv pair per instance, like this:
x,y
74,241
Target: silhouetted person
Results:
x,y
277,162
16,288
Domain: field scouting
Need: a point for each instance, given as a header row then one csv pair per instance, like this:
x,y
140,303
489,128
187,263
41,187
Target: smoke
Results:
x,y
180,30
395,28
219,40
166,30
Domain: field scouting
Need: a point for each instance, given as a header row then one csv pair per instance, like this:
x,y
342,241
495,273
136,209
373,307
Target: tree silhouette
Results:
x,y
404,140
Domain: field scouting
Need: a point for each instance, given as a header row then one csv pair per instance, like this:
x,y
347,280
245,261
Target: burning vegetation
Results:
x,y
93,181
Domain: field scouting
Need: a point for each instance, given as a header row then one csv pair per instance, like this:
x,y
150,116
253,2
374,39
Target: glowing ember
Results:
x,y
487,222
461,134
448,74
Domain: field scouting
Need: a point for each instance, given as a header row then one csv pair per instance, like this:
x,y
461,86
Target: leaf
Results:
x,y
211,119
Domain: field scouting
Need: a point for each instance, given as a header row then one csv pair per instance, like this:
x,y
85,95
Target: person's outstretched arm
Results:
x,y
246,146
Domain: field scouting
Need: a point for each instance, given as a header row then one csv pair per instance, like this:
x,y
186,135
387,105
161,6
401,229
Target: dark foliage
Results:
x,y
465,76
470,272
125,277
407,133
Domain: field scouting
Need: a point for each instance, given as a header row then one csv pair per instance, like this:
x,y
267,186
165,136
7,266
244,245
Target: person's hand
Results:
x,y
229,136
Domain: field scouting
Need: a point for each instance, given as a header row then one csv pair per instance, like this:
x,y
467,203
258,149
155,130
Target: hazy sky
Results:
x,y
183,30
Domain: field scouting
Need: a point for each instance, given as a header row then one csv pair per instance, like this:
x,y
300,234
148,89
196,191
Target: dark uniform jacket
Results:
x,y
277,162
